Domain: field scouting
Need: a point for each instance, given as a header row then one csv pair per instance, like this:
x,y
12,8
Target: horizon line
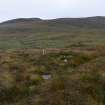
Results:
x,y
48,18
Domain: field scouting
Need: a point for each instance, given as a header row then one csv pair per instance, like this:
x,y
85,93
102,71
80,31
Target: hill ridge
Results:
x,y
53,33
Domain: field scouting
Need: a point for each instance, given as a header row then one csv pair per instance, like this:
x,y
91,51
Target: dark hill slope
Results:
x,y
62,32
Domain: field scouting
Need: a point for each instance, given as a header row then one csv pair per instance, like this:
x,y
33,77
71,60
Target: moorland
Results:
x,y
52,62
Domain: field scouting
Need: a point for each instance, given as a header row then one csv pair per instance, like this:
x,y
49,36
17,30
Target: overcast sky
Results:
x,y
48,9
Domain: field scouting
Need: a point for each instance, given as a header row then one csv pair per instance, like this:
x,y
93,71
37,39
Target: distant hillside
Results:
x,y
55,33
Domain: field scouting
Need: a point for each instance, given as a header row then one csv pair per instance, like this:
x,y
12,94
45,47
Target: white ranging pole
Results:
x,y
44,51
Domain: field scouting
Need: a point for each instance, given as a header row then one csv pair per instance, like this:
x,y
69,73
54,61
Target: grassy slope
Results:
x,y
58,33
